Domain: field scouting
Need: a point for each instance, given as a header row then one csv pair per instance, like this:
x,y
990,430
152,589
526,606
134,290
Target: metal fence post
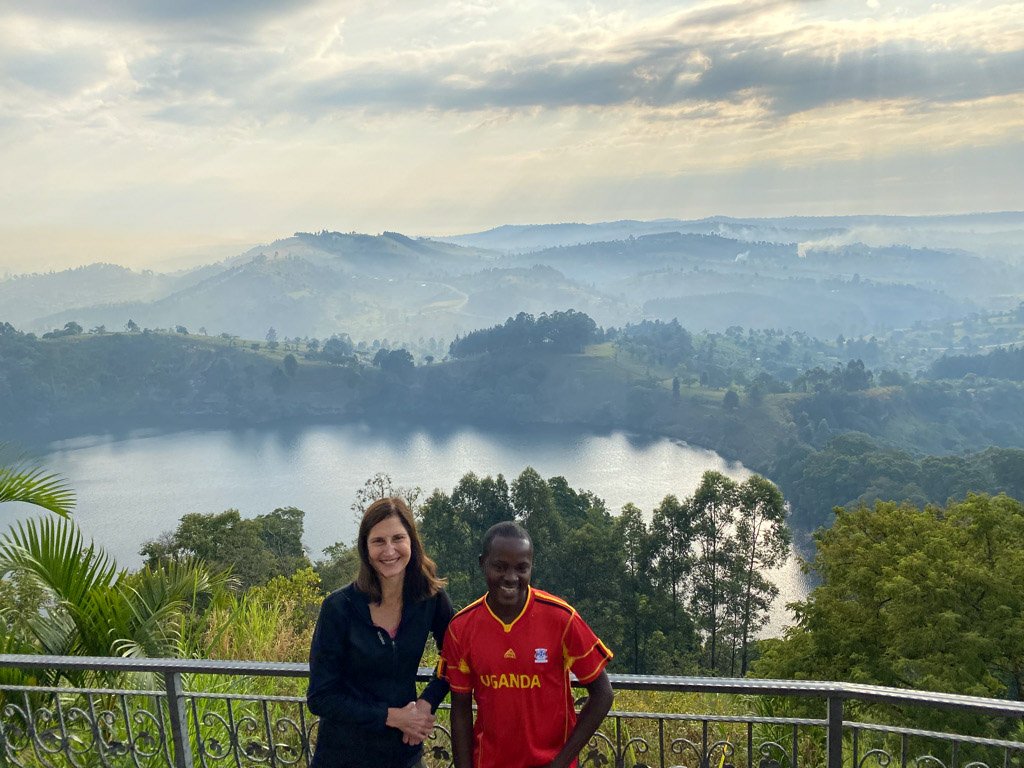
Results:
x,y
835,732
179,720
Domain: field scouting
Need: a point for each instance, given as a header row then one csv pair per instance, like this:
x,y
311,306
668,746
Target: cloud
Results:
x,y
796,81
159,12
774,52
664,75
789,70
58,73
299,114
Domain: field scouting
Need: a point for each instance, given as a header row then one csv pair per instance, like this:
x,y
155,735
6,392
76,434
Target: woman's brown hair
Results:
x,y
421,579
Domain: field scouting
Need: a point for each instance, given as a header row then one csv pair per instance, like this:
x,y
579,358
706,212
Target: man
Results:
x,y
512,650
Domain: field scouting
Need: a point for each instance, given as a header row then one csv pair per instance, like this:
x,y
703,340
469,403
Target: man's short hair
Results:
x,y
508,529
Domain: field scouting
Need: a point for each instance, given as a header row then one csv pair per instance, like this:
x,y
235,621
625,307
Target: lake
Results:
x,y
132,488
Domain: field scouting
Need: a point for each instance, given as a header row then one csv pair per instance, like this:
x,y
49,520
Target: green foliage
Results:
x,y
658,594
657,343
849,378
712,510
337,349
998,364
339,567
21,481
568,331
253,550
86,605
397,362
918,598
269,622
762,541
853,469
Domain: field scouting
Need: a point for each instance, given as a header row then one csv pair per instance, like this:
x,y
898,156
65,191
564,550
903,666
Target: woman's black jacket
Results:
x,y
356,671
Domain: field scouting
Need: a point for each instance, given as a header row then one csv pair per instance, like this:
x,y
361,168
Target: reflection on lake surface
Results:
x,y
132,489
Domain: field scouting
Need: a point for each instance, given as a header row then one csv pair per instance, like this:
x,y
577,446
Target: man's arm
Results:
x,y
462,729
599,701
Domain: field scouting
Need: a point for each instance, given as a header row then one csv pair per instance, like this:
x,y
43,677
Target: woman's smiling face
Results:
x,y
389,548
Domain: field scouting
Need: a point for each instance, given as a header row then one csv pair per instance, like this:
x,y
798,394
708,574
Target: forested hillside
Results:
x,y
830,432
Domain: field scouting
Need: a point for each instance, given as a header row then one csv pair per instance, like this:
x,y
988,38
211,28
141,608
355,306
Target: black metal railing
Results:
x,y
181,713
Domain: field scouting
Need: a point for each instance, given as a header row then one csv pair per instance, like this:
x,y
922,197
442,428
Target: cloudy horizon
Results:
x,y
148,133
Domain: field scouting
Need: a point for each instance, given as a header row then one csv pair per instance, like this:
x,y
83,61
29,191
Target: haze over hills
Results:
x,y
808,274
988,234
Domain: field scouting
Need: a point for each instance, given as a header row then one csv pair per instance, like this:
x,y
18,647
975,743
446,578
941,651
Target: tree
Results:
x,y
731,400
131,326
397,361
336,349
533,503
714,504
381,486
449,538
254,550
914,598
637,587
291,365
855,376
672,531
595,552
568,331
339,566
453,527
762,542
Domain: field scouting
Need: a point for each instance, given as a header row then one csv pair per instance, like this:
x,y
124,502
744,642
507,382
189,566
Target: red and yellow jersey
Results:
x,y
519,675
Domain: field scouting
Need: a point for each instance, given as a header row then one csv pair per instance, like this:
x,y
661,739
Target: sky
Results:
x,y
153,134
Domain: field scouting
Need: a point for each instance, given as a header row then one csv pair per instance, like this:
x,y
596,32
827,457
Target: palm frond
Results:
x,y
159,598
52,549
55,632
21,481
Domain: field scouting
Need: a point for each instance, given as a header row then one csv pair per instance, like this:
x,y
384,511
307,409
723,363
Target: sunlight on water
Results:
x,y
130,490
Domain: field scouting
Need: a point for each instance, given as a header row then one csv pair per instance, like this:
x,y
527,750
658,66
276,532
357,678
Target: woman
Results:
x,y
367,648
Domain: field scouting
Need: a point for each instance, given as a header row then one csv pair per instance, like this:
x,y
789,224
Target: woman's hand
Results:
x,y
414,720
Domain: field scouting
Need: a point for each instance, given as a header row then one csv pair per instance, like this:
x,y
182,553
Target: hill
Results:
x,y
837,434
810,275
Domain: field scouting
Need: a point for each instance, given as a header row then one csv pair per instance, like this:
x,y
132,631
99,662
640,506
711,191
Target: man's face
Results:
x,y
507,567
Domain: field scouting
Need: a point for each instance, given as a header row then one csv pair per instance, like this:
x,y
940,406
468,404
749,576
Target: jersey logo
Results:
x,y
540,655
510,654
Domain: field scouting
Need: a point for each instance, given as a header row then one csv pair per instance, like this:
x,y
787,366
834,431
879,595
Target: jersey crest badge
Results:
x,y
540,655
510,654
